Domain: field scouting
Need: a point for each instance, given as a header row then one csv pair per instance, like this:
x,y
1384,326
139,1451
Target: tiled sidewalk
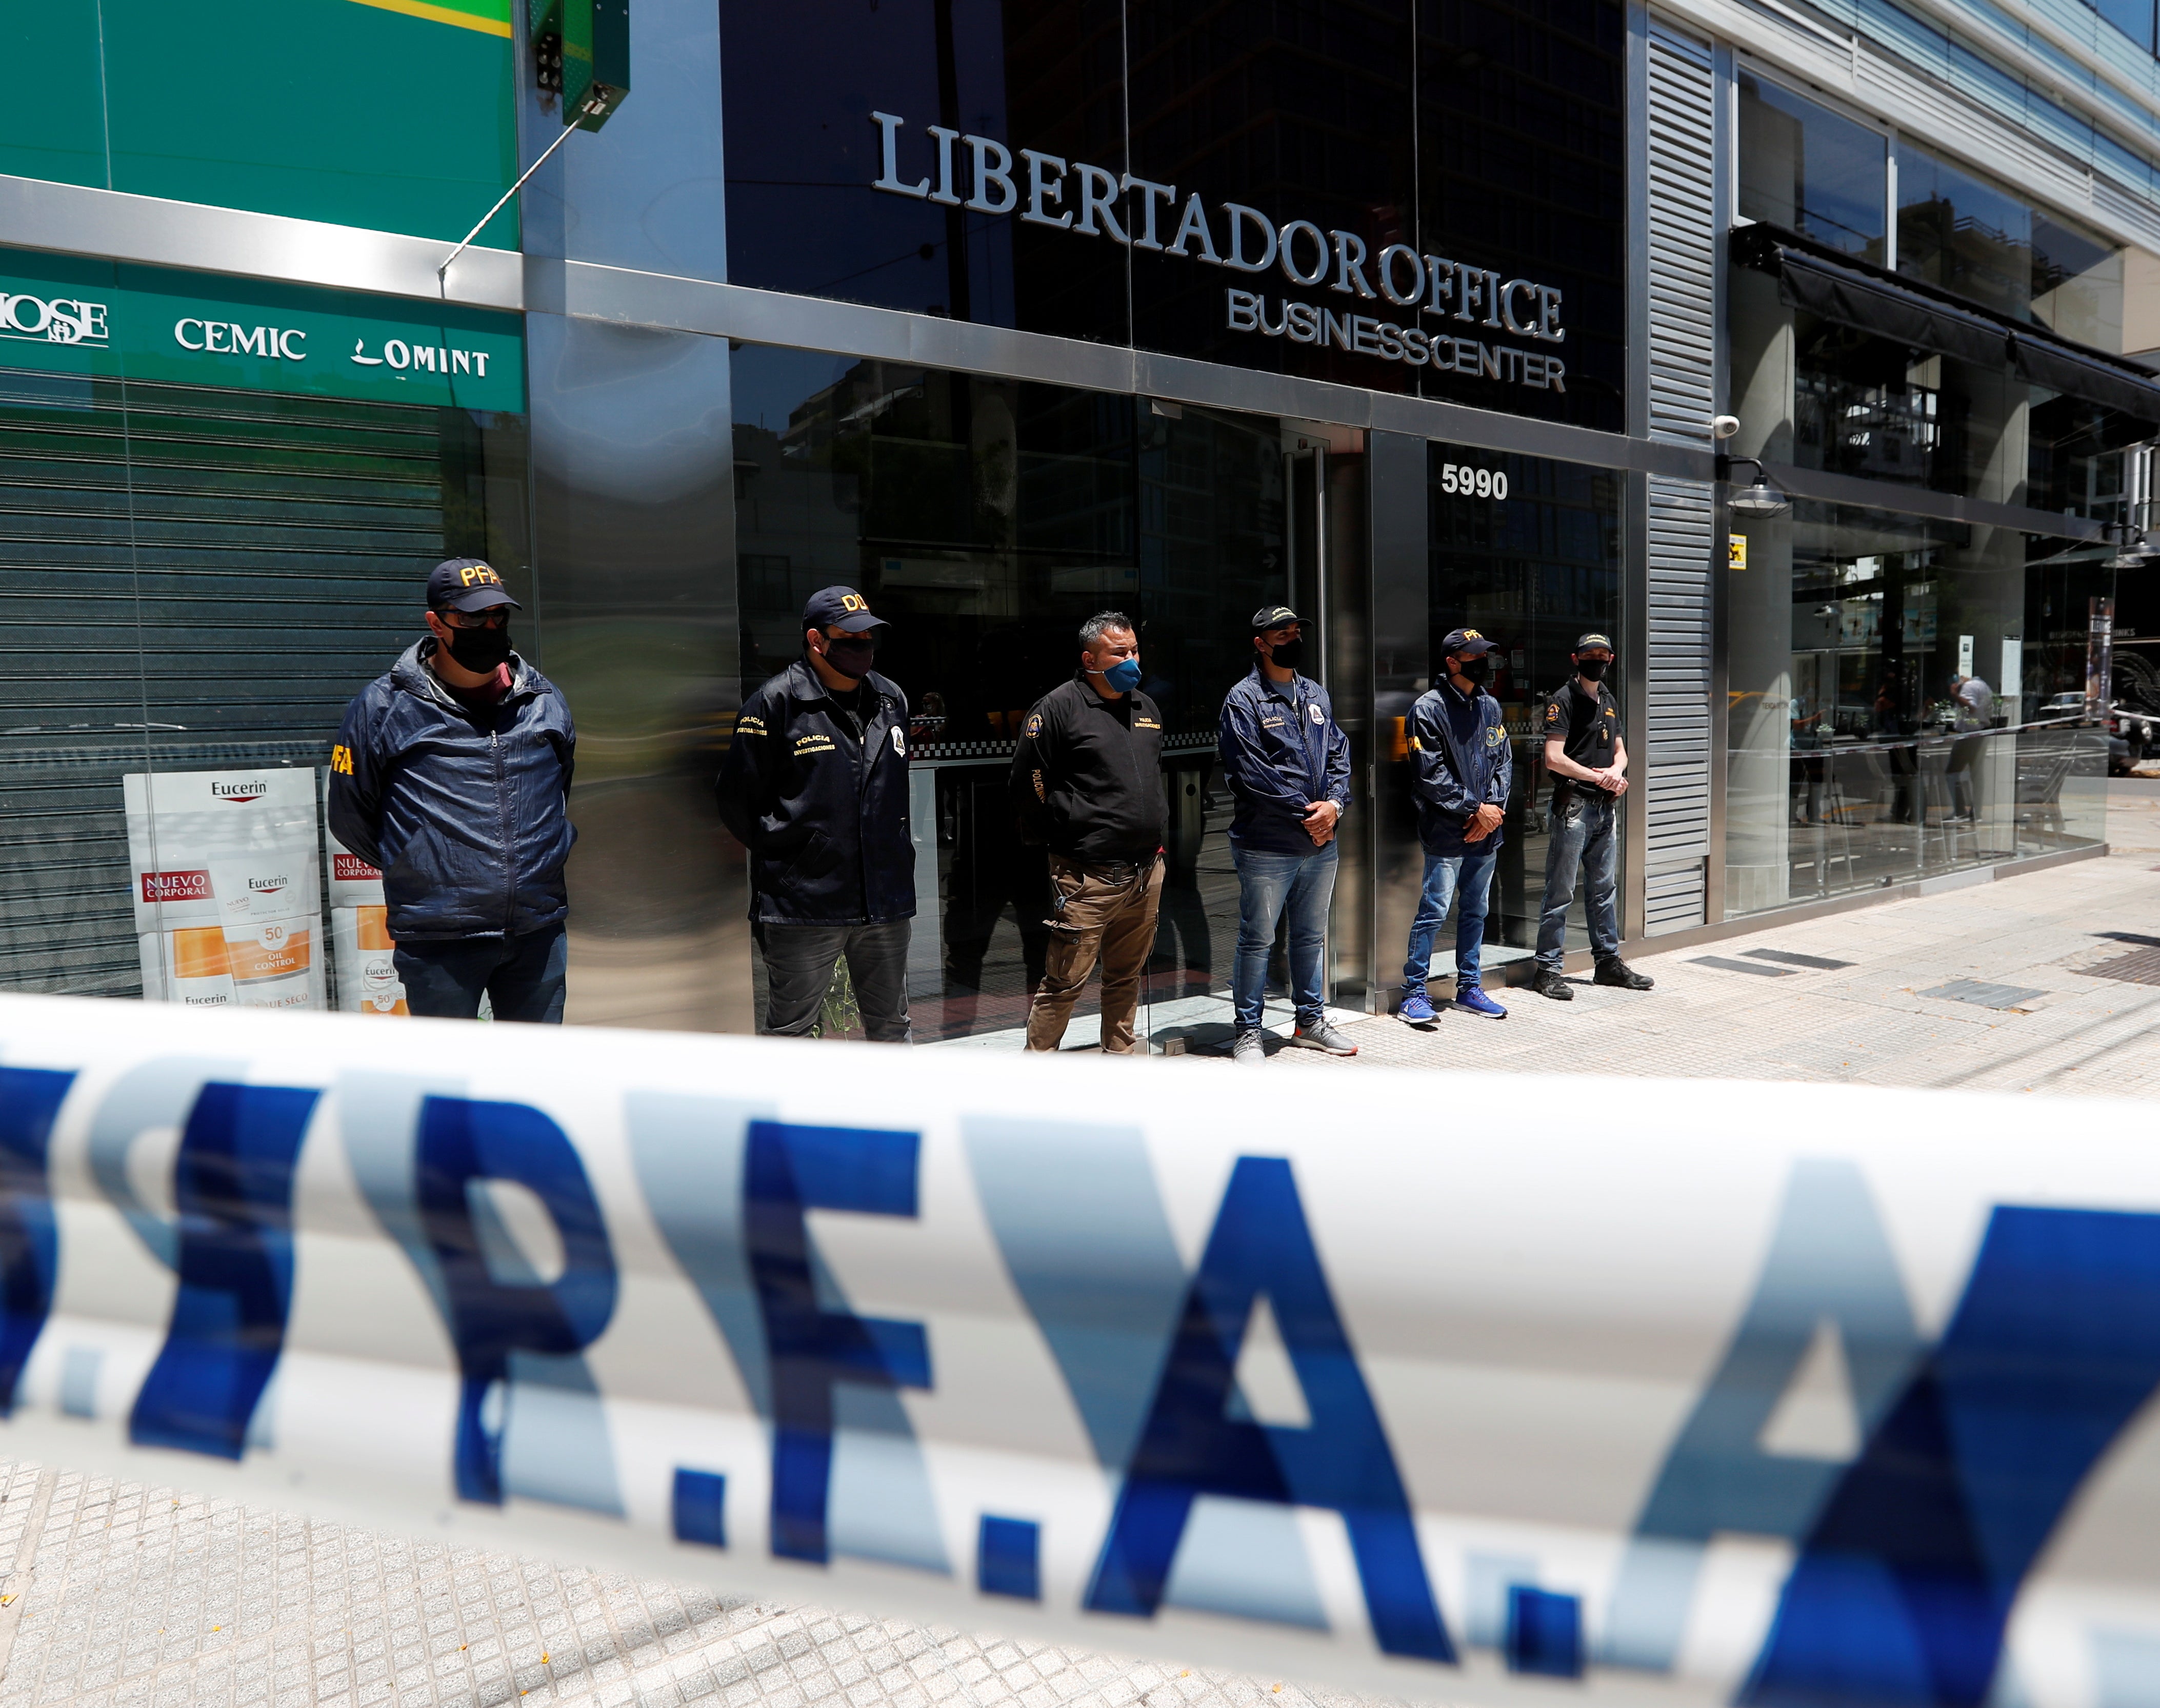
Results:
x,y
119,1596
1871,1022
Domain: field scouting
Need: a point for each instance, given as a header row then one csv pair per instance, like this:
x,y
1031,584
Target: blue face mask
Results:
x,y
1124,676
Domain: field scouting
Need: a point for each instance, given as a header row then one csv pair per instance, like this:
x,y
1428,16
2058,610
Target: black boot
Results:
x,y
1617,972
1548,982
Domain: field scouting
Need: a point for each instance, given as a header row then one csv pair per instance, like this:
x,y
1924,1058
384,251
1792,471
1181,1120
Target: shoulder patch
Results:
x,y
1316,713
1034,725
900,741
1494,735
1552,711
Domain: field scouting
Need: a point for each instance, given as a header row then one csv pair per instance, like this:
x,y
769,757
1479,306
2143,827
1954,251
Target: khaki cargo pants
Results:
x,y
1096,912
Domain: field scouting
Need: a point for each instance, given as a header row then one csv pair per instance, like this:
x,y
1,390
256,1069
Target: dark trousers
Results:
x,y
521,976
798,971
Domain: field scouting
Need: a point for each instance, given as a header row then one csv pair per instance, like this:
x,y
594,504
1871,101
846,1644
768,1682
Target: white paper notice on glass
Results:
x,y
236,852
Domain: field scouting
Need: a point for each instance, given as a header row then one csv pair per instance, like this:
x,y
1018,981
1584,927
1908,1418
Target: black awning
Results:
x,y
1854,294
2060,368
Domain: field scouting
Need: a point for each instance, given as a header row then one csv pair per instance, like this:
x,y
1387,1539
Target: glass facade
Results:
x,y
1855,760
1526,552
1117,241
1404,195
986,519
1906,690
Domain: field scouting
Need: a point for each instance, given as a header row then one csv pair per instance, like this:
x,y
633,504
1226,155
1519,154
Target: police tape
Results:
x,y
1476,1387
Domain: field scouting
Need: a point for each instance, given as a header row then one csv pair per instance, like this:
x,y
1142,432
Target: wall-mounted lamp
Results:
x,y
1760,502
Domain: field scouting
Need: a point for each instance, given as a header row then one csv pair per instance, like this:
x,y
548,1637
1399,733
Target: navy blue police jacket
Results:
x,y
1280,748
466,808
1454,771
822,803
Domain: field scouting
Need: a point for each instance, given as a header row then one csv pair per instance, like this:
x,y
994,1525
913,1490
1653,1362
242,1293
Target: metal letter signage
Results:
x,y
1838,1398
1084,200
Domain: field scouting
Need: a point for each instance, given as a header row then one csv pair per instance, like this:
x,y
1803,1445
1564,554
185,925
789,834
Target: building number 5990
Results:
x,y
1473,483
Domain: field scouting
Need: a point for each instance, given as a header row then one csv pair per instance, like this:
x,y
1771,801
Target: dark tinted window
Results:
x,y
1521,146
1811,170
1407,195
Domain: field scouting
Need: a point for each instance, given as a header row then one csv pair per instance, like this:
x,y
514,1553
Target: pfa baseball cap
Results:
x,y
1584,643
1274,616
467,585
1465,643
840,608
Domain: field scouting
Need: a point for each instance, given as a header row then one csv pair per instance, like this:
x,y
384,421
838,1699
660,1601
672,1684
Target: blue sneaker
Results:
x,y
1417,1010
1472,999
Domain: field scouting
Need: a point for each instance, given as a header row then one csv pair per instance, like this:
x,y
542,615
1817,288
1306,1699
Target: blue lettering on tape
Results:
x,y
1906,1579
1191,1446
1007,1558
232,1187
700,1509
30,1098
493,1320
787,1170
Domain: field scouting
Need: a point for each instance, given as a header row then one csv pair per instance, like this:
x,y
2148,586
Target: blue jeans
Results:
x,y
1468,875
1267,884
521,976
1586,835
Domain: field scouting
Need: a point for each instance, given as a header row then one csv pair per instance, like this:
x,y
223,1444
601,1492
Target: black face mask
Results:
x,y
1477,671
1592,669
1288,655
852,658
481,650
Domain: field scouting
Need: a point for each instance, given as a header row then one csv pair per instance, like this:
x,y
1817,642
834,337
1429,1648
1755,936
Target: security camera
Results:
x,y
1724,426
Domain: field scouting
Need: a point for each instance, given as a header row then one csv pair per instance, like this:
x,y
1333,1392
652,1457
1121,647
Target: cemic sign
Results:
x,y
980,174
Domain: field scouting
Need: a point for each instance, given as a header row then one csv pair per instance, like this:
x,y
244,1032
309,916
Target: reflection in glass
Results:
x,y
1810,170
1969,235
1890,678
1531,572
636,625
1521,167
986,519
1819,394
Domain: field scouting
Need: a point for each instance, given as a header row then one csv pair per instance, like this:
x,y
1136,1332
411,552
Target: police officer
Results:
x,y
1087,781
452,773
1588,759
815,785
1460,769
1288,765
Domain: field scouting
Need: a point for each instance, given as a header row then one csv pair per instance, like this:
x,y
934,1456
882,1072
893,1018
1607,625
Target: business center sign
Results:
x,y
1092,201
67,315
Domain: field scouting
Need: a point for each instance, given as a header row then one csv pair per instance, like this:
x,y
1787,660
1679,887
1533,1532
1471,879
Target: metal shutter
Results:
x,y
1677,784
190,579
1683,237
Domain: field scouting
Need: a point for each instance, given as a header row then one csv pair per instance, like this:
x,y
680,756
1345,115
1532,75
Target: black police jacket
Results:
x,y
822,809
1087,776
465,810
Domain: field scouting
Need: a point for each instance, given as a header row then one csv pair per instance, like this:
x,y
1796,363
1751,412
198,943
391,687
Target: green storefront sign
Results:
x,y
66,314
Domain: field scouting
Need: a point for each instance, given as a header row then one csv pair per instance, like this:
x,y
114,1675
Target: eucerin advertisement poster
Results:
x,y
366,981
228,905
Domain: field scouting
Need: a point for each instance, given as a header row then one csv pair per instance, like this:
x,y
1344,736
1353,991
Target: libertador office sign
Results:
x,y
980,174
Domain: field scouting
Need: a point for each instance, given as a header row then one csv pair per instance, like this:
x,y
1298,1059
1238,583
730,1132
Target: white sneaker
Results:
x,y
1321,1036
1249,1052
